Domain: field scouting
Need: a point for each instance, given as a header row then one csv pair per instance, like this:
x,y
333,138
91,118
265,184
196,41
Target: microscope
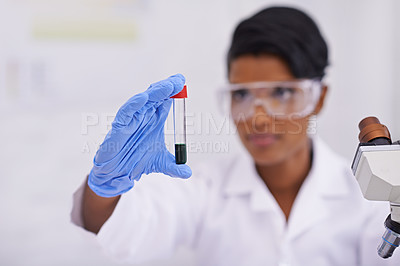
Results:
x,y
374,166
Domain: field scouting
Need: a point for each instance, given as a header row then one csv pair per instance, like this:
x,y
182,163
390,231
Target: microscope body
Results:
x,y
377,170
376,167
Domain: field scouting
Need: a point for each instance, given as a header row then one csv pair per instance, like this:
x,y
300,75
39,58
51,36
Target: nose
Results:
x,y
261,120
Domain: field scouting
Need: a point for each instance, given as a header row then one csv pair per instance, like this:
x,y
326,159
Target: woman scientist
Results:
x,y
288,201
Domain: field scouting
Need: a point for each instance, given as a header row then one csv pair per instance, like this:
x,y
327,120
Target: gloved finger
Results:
x,y
163,110
166,88
133,130
179,81
175,170
126,112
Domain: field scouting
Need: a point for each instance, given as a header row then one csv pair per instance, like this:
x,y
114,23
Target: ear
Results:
x,y
321,101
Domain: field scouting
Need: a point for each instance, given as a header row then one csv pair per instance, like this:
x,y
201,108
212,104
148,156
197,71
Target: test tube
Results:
x,y
180,126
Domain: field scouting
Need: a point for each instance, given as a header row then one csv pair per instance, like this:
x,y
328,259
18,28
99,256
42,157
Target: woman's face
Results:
x,y
269,140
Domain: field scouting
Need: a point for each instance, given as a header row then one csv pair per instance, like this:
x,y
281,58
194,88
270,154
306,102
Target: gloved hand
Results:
x,y
135,144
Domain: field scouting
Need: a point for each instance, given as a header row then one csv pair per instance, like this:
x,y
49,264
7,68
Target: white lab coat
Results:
x,y
228,216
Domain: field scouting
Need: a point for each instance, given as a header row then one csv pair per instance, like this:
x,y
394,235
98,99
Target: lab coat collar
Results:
x,y
242,177
326,173
326,181
243,180
330,172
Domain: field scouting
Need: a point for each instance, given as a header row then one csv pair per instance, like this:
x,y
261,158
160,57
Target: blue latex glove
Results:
x,y
135,144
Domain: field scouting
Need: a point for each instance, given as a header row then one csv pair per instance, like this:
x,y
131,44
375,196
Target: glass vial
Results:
x,y
180,126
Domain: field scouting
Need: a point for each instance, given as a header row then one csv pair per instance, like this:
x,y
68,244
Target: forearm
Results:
x,y
96,210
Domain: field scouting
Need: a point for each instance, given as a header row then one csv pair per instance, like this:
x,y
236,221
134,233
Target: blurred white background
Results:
x,y
67,65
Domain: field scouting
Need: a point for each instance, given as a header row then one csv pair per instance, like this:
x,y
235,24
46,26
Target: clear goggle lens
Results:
x,y
286,99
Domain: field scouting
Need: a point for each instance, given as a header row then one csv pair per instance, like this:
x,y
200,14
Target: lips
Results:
x,y
262,139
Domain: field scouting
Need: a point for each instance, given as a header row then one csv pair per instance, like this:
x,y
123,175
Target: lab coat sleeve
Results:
x,y
151,220
371,237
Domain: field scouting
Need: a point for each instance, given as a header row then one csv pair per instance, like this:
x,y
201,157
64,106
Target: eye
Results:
x,y
240,94
283,93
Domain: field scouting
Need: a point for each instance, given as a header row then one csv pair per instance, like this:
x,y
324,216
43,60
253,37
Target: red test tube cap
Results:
x,y
181,94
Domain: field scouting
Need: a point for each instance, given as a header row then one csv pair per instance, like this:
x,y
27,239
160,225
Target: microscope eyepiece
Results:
x,y
372,131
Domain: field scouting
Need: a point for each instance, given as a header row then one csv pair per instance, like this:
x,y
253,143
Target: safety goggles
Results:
x,y
279,99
